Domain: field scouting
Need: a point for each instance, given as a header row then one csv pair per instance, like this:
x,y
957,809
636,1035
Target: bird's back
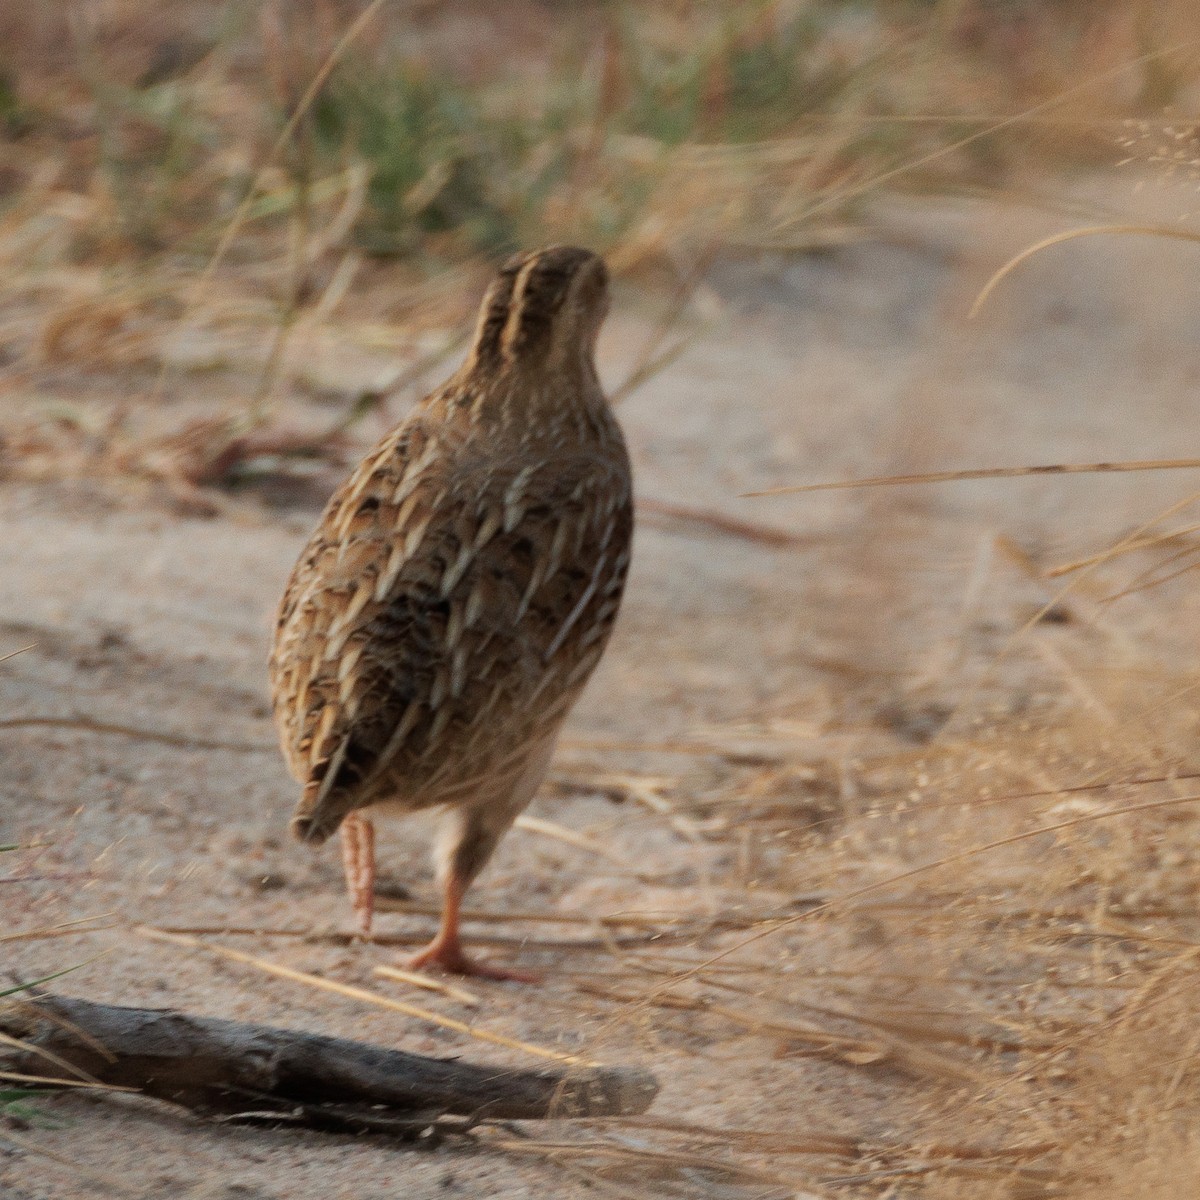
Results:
x,y
455,596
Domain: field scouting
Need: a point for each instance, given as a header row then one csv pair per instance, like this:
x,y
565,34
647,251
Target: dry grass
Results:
x,y
1030,1028
18,1108
992,935
255,189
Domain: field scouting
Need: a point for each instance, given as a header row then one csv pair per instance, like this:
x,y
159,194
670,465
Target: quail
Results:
x,y
458,592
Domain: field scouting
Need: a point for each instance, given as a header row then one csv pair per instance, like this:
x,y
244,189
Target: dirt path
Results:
x,y
859,362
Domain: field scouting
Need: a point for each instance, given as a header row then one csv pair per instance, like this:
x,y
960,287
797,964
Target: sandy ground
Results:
x,y
868,635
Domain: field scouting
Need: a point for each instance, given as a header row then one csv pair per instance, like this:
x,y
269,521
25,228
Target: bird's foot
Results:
x,y
449,956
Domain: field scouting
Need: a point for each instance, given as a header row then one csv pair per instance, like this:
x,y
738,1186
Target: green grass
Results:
x,y
435,164
607,139
14,1104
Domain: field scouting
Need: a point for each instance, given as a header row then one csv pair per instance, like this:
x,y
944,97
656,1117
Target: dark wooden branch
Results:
x,y
260,1073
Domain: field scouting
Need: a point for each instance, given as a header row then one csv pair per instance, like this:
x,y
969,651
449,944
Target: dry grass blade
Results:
x,y
288,131
940,1027
1070,235
1057,599
783,1141
653,358
31,984
1157,575
909,1055
432,985
1163,464
1110,553
779,1141
162,736
571,837
691,748
641,1157
501,916
81,1077
76,928
255,931
707,520
646,370
853,1049
362,995
773,927
654,934
57,1081
839,196
1102,1031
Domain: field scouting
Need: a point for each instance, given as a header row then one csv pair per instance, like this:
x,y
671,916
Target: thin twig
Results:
x,y
708,520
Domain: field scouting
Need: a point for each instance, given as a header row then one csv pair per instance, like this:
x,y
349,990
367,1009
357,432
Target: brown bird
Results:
x,y
459,590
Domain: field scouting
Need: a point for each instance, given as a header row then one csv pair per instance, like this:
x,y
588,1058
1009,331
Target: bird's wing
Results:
x,y
449,605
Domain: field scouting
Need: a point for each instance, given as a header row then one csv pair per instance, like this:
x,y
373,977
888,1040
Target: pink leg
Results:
x,y
358,861
446,950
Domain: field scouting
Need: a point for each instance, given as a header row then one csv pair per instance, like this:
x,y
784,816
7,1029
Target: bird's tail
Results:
x,y
319,813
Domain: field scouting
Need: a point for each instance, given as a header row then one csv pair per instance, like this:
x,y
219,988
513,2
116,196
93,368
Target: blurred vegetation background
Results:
x,y
444,131
183,184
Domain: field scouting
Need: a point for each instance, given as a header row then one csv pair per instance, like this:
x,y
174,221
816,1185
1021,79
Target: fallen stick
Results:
x,y
262,1074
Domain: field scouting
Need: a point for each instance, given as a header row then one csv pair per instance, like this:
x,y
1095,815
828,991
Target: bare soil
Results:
x,y
740,670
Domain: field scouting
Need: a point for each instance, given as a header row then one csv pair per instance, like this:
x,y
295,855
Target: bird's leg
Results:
x,y
358,861
446,950
467,839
